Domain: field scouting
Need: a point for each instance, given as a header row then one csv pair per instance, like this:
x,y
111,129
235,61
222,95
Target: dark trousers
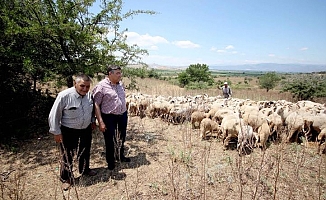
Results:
x,y
75,141
115,135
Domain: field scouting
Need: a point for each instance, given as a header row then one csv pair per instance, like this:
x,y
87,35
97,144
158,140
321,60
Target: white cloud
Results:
x,y
186,44
304,49
213,49
226,49
229,47
145,40
154,47
221,51
271,55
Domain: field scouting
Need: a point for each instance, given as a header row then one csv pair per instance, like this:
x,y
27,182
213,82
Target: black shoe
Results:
x,y
91,172
111,166
124,159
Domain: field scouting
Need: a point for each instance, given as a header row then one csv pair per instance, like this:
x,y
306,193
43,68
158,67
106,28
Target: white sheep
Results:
x,y
220,113
246,138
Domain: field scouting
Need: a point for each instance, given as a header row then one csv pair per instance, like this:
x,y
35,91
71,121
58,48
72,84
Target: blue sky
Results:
x,y
229,32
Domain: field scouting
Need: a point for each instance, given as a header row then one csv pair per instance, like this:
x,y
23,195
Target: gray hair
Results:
x,y
83,77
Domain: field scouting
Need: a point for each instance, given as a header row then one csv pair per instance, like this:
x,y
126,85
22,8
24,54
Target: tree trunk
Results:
x,y
70,81
34,84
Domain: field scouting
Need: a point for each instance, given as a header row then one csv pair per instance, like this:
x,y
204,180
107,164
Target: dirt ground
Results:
x,y
167,162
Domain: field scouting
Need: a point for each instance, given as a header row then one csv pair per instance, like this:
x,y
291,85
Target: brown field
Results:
x,y
159,87
170,162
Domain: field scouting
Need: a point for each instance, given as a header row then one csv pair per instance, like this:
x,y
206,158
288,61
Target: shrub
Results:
x,y
306,87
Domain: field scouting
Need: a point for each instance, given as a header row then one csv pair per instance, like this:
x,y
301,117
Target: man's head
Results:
x,y
225,84
82,84
114,73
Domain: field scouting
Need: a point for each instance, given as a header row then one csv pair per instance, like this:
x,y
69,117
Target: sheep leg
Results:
x,y
290,135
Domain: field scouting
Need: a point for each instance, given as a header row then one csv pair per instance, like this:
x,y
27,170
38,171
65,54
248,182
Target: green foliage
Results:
x,y
195,74
64,38
152,73
54,40
184,79
269,80
136,72
306,87
141,72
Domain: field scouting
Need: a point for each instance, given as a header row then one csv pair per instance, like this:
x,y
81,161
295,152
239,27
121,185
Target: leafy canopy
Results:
x,y
53,40
66,38
269,80
196,73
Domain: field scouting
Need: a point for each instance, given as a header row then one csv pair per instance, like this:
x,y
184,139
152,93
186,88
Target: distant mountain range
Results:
x,y
265,67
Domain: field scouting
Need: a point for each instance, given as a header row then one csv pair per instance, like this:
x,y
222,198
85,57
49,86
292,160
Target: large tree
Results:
x,y
82,41
269,80
196,73
42,39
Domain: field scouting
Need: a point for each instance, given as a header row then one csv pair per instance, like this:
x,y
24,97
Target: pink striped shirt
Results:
x,y
111,98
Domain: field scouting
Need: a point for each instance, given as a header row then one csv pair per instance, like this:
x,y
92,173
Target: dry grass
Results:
x,y
168,162
159,87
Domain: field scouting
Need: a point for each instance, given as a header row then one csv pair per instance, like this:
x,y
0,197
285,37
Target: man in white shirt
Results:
x,y
226,90
70,122
226,93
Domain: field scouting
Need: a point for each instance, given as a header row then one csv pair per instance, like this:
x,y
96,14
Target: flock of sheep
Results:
x,y
246,123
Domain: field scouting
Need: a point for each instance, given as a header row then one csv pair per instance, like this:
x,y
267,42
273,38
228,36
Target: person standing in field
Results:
x,y
111,113
70,122
227,92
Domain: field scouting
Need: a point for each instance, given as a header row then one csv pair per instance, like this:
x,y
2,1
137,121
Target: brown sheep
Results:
x,y
208,125
230,127
264,132
275,125
254,118
196,118
322,141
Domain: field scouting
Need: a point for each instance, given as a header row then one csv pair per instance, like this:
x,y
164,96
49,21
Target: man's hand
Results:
x,y
93,125
102,126
58,138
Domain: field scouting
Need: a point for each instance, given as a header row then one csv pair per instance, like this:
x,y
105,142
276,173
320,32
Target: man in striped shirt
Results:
x,y
70,122
111,113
